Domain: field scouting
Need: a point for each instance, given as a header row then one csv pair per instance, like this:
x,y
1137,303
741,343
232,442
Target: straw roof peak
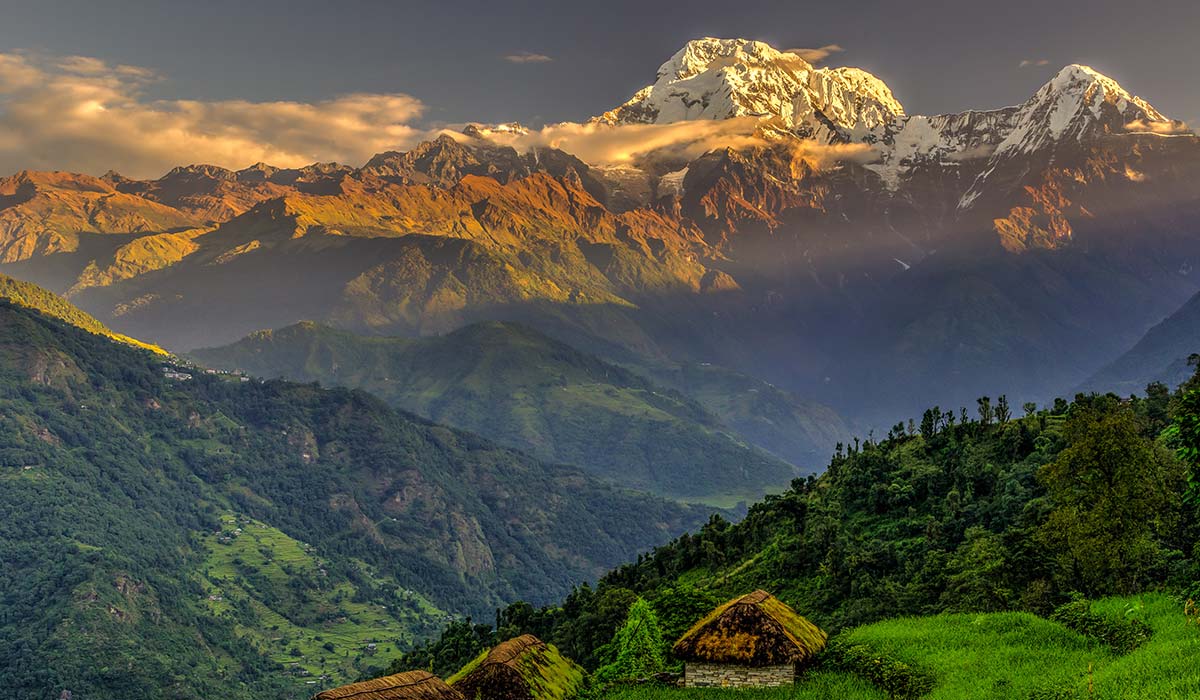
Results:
x,y
756,629
410,685
522,668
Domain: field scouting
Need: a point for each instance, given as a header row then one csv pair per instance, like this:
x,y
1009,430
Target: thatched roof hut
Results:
x,y
411,685
523,668
755,631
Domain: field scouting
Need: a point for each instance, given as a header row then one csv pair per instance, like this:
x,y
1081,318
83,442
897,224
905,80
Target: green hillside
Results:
x,y
167,536
525,390
1003,656
948,553
801,432
289,607
34,297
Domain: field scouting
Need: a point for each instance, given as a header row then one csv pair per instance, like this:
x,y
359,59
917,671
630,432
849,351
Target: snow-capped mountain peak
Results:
x,y
722,78
1077,102
700,55
712,79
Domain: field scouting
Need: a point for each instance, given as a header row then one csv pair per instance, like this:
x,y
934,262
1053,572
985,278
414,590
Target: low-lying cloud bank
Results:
x,y
604,144
79,113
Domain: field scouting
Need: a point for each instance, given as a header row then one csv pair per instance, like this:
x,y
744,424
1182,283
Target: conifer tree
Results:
x,y
637,646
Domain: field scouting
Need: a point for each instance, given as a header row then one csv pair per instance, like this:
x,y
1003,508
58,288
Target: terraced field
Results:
x,y
305,615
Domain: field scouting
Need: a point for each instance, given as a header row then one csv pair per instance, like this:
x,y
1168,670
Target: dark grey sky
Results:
x,y
936,56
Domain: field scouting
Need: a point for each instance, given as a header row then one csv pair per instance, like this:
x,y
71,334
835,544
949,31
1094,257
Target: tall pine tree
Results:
x,y
638,646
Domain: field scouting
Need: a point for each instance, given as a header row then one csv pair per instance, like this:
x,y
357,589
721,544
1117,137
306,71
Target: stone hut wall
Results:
x,y
700,675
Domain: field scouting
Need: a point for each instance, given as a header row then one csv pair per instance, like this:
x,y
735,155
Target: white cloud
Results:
x,y
1028,62
527,57
80,113
604,144
1170,127
818,54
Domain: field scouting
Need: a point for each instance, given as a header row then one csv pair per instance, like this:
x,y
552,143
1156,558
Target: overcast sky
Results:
x,y
539,62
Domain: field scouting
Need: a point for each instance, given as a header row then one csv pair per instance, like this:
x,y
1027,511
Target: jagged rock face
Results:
x,y
447,160
45,214
207,192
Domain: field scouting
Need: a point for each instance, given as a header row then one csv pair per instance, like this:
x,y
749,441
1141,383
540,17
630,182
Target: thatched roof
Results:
x,y
753,630
411,685
523,668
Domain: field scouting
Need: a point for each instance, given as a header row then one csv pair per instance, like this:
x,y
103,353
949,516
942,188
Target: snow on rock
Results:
x,y
1076,103
672,183
943,140
724,78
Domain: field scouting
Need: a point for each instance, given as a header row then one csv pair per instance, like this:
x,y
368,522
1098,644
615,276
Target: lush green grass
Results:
x,y
290,606
1167,667
816,686
1003,656
1000,655
1012,655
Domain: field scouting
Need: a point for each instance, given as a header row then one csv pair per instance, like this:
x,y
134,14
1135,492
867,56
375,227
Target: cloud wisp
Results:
x,y
1033,62
609,145
818,54
1171,127
80,113
527,57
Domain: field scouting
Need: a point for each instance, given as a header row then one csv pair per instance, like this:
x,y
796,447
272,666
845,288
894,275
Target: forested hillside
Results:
x,y
179,534
987,510
525,390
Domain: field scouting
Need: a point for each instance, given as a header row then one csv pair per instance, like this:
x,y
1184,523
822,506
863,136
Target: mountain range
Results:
x,y
546,351
823,240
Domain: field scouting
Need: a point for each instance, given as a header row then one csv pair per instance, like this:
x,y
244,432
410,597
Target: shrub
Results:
x,y
1122,636
901,681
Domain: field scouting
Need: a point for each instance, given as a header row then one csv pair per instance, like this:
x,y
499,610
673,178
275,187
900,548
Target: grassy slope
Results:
x,y
34,297
1167,667
1007,656
528,391
1011,655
